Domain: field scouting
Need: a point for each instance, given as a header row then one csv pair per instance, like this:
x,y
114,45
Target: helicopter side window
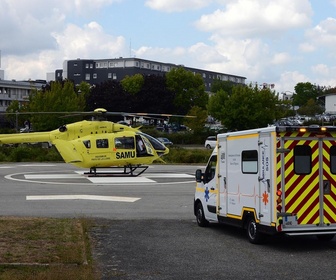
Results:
x,y
124,142
102,143
87,143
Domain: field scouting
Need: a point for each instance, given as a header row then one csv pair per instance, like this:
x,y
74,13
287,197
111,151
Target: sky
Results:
x,y
280,42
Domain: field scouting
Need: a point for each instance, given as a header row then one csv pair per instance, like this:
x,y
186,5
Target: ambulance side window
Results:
x,y
250,162
333,159
211,169
302,159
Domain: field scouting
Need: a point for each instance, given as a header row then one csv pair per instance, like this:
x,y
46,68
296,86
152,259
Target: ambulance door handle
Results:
x,y
224,182
326,187
268,185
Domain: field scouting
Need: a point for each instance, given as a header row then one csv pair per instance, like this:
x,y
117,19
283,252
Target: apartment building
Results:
x,y
16,90
96,71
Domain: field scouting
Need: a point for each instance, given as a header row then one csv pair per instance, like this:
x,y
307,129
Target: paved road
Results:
x,y
61,190
145,228
179,249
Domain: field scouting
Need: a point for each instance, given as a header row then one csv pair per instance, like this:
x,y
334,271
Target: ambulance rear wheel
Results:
x,y
253,233
325,237
200,217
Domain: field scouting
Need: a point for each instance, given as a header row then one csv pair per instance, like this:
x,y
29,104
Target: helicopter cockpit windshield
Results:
x,y
157,145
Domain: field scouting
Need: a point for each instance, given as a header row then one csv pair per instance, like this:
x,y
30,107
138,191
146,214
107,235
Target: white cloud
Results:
x,y
307,47
176,5
281,58
88,42
324,34
321,69
254,18
74,42
288,80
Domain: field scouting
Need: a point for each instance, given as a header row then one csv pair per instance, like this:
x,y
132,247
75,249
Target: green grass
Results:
x,y
45,248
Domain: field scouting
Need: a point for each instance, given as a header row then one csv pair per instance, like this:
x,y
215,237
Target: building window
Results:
x,y
109,75
75,64
91,65
87,65
87,77
94,76
114,76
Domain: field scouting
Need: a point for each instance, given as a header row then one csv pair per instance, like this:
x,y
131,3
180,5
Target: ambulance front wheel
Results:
x,y
200,217
253,233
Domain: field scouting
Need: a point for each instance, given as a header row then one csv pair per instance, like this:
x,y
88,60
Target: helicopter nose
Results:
x,y
162,152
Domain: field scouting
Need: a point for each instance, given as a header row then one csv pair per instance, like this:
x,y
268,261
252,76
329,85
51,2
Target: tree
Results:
x,y
247,107
154,96
188,88
304,92
311,108
218,85
133,84
13,117
110,96
196,124
57,97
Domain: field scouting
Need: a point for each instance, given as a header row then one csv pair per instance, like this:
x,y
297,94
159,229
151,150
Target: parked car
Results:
x,y
165,141
210,142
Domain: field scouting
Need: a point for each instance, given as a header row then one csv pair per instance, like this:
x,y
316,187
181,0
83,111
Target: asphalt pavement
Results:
x,y
145,227
179,249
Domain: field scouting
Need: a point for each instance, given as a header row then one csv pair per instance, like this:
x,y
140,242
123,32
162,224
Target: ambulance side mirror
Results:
x,y
199,176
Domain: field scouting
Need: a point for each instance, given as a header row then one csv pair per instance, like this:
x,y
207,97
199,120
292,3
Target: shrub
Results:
x,y
180,155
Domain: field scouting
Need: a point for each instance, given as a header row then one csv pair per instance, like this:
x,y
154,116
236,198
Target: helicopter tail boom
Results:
x,y
17,138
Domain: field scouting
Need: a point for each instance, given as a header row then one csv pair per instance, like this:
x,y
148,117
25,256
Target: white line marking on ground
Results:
x,y
82,197
52,176
168,175
36,165
117,180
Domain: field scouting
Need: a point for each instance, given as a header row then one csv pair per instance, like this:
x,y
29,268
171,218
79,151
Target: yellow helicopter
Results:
x,y
99,144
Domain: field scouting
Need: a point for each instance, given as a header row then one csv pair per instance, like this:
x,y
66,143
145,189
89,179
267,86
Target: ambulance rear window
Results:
x,y
302,159
333,159
250,162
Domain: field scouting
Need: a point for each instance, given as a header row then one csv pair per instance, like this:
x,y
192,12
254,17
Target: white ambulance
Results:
x,y
271,180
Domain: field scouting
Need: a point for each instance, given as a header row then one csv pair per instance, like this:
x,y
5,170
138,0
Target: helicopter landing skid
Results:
x,y
125,171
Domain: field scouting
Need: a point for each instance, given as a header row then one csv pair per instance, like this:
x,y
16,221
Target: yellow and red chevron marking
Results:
x,y
301,191
329,200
